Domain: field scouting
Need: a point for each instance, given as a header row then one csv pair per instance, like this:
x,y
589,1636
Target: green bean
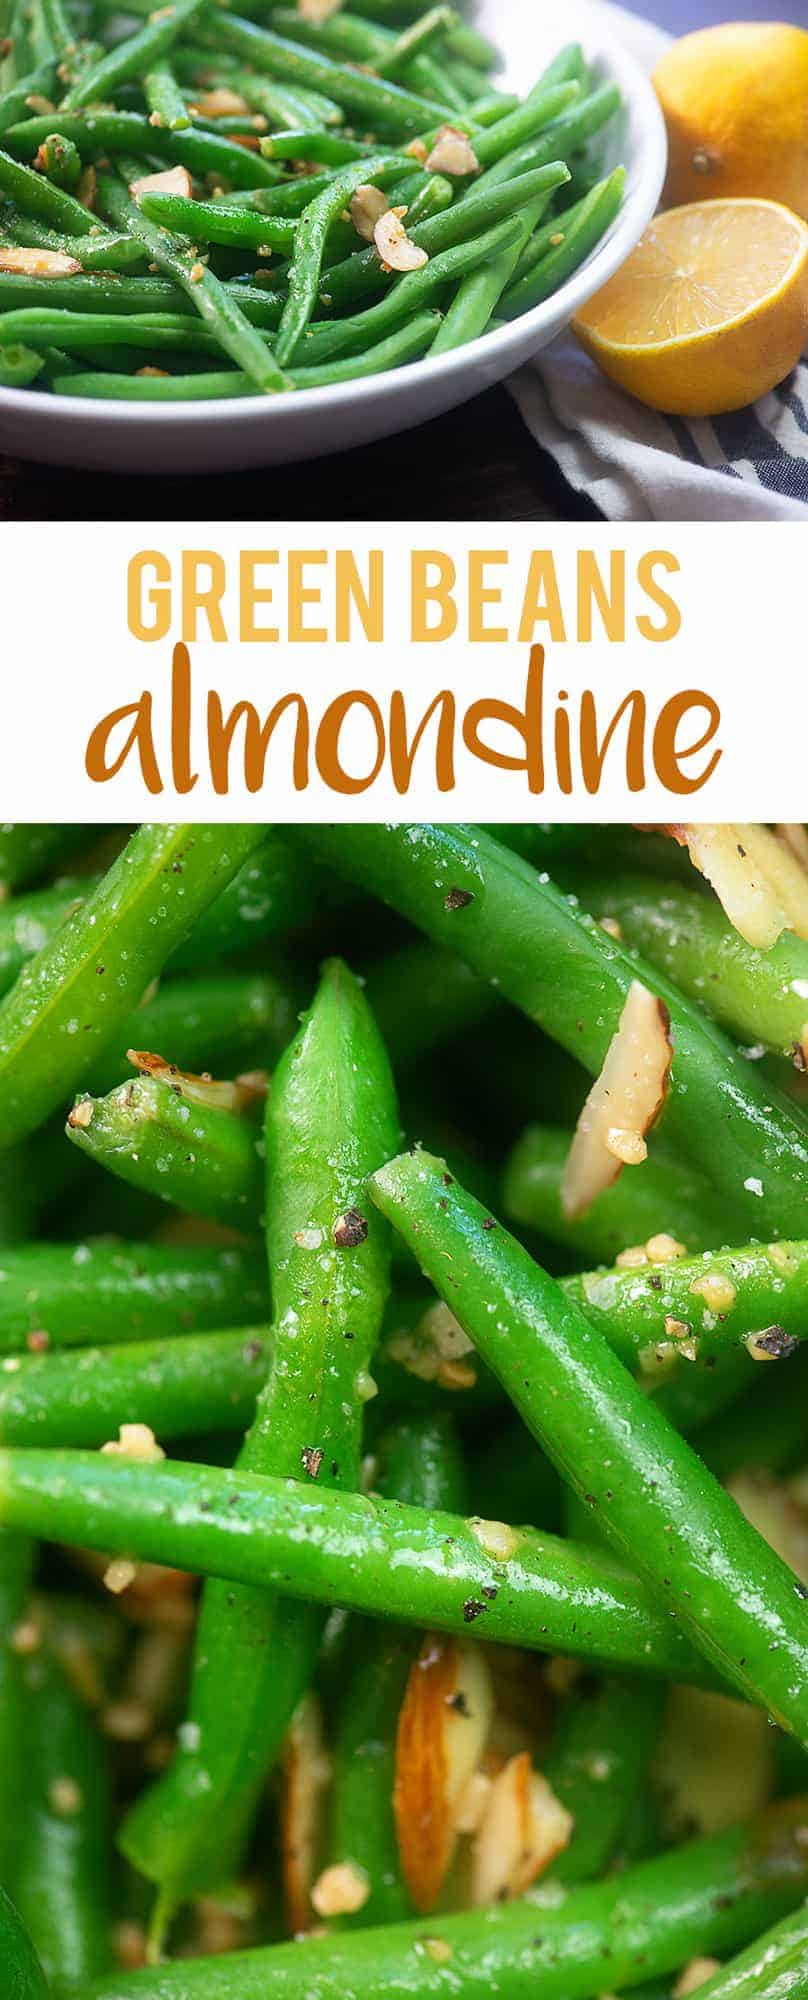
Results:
x,y
564,137
548,237
20,1963
665,1199
422,1467
134,56
206,1161
34,192
597,1763
288,198
278,892
572,979
89,1293
331,1115
408,344
60,161
38,83
595,216
477,298
104,293
75,52
165,99
61,1873
285,108
207,222
229,1023
19,366
104,252
413,40
432,197
217,307
322,147
764,1430
16,1562
382,106
100,132
370,1555
70,999
344,34
303,276
760,996
83,332
739,1602
181,1387
773,1968
343,284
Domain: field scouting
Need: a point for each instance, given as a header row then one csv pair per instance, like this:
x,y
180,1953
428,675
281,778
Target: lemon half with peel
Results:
x,y
709,312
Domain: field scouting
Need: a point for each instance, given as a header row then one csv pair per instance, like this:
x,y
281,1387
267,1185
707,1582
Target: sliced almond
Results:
x,y
760,882
305,1776
221,103
523,1828
452,153
695,1974
366,208
38,263
237,1095
443,1725
317,10
171,180
87,189
397,251
795,837
624,1102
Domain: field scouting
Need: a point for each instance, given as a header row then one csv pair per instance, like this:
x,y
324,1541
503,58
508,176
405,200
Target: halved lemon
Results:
x,y
709,312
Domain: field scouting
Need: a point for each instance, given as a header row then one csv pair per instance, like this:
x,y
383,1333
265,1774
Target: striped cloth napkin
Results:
x,y
637,466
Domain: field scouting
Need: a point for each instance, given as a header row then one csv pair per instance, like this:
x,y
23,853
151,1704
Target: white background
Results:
x,y
68,658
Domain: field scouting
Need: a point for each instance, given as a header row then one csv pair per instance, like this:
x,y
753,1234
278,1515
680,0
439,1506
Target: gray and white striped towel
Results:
x,y
637,466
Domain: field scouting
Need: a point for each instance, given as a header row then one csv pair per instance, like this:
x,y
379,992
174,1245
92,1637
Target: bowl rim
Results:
x,y
522,335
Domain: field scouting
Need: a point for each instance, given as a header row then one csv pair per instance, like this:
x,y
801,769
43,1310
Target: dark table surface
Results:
x,y
477,463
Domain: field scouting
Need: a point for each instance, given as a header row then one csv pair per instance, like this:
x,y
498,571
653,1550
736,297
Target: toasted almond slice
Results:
x,y
38,263
452,153
397,251
87,189
228,1096
305,1776
760,883
366,208
443,1725
171,180
317,10
795,837
523,1828
695,1974
624,1100
221,103
137,1442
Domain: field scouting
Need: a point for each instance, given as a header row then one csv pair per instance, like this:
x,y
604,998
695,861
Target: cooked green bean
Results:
x,y
32,190
205,1160
21,1965
344,34
667,1198
737,1600
60,161
61,1873
406,345
515,926
16,1563
29,853
182,1387
303,276
596,214
369,1555
165,99
134,56
97,133
19,366
51,1027
597,1763
773,1968
331,1115
82,1294
381,106
38,83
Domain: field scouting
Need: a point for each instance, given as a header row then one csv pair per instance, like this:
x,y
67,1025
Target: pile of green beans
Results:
x,y
368,1526
246,262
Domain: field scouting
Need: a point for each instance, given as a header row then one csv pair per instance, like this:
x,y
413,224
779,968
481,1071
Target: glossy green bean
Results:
x,y
60,162
19,366
346,35
331,1115
422,998
30,852
15,102
572,979
370,1555
164,97
303,276
69,1001
182,1387
422,1466
382,106
562,138
134,56
21,1967
722,1299
104,252
597,1762
414,39
665,1199
596,214
207,1161
775,1967
61,1877
217,307
407,344
102,293
759,996
649,1493
321,147
32,191
91,1293
477,298
210,222
16,1564
97,133
712,1895
222,1025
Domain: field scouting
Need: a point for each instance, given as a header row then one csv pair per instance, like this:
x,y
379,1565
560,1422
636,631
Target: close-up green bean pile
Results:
x,y
403,1461
197,203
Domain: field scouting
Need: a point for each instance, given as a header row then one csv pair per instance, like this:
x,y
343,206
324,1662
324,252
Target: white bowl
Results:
x,y
197,437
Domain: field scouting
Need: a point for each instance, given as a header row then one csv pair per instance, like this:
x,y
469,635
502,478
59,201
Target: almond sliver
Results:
x,y
523,1828
367,207
397,251
443,1726
172,180
452,153
758,877
204,1090
624,1102
305,1777
38,263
